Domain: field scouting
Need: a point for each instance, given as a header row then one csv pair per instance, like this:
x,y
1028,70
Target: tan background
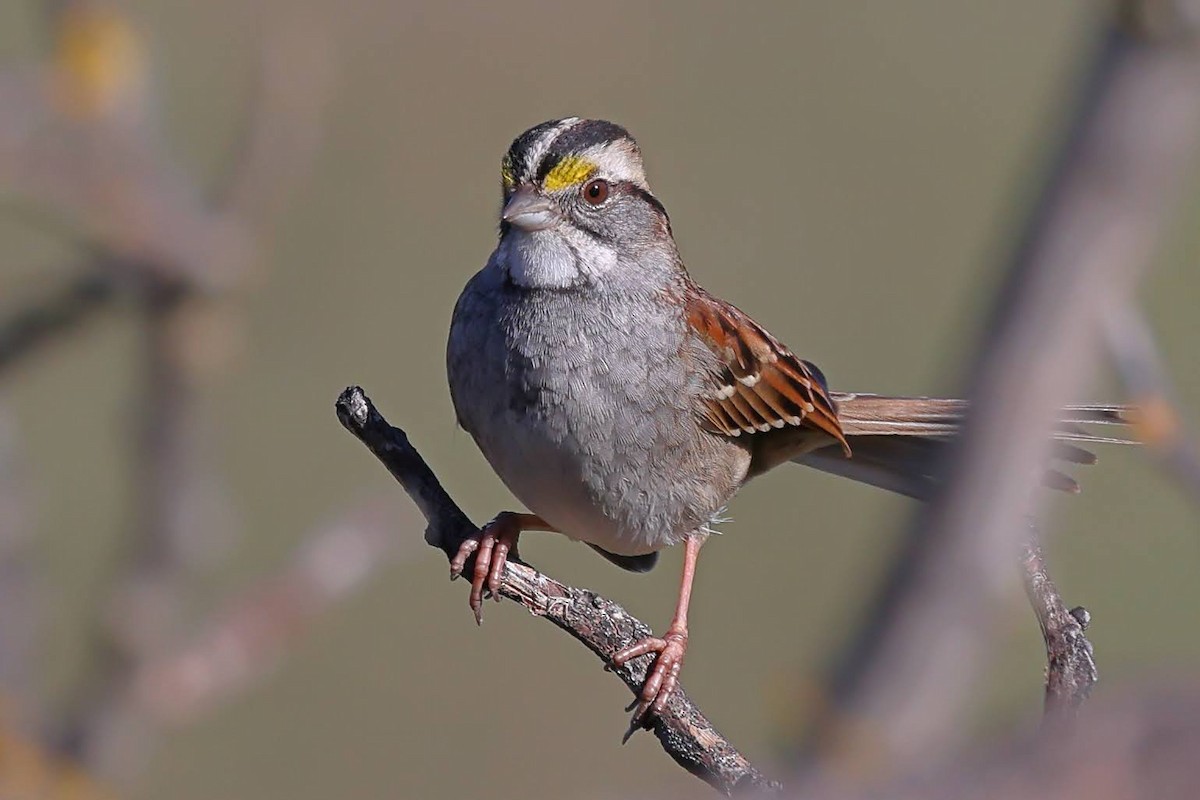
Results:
x,y
850,173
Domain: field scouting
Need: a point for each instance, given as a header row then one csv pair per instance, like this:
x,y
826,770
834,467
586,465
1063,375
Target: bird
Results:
x,y
624,405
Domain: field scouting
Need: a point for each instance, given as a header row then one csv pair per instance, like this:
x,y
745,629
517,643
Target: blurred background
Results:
x,y
214,216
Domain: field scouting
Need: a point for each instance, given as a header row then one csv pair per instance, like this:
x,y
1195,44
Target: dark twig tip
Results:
x,y
353,407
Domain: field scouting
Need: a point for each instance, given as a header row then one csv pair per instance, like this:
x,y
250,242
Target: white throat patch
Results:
x,y
547,260
540,260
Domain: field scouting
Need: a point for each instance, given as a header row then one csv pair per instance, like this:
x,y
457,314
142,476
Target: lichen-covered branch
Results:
x,y
1070,666
601,625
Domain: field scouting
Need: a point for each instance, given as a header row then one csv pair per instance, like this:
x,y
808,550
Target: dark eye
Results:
x,y
596,192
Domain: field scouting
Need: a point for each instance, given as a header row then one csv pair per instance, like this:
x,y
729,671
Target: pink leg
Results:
x,y
491,547
663,677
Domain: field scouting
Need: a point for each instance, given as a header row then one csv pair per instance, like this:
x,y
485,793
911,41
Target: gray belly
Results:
x,y
586,417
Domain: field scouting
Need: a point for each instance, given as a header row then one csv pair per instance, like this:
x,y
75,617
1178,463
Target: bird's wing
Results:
x,y
759,385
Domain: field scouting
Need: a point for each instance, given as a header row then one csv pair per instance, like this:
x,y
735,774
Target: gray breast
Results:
x,y
581,402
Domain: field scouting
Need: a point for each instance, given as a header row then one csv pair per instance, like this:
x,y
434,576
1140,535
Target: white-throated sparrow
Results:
x,y
624,404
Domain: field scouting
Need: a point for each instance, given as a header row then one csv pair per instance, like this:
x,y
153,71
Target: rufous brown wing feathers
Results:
x,y
761,385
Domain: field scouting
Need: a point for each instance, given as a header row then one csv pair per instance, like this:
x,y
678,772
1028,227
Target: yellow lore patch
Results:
x,y
507,172
568,172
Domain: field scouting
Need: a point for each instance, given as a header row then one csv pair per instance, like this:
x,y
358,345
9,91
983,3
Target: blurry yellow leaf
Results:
x,y
99,60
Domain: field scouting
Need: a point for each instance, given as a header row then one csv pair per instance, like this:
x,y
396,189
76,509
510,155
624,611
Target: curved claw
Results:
x,y
499,559
483,564
491,547
468,546
663,676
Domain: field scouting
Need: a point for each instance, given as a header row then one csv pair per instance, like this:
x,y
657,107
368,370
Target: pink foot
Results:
x,y
491,547
662,678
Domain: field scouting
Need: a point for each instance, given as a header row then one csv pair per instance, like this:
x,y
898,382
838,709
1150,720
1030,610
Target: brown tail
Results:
x,y
896,440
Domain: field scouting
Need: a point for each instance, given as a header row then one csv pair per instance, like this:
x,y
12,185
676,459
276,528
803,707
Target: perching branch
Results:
x,y
601,625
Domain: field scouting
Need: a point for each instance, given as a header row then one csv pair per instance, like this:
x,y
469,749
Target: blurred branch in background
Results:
x,y
1161,424
181,679
902,692
50,318
1139,746
281,129
81,147
27,767
601,625
247,638
21,613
